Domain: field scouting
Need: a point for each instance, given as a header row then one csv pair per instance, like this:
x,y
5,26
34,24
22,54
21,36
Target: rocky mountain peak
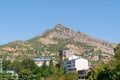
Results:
x,y
58,26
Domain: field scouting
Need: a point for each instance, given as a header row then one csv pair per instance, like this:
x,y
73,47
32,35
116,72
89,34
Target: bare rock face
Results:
x,y
65,33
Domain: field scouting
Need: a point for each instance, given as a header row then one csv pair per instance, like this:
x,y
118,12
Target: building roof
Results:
x,y
42,59
9,71
72,57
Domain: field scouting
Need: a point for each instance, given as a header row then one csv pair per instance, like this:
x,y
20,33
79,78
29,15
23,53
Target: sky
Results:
x,y
25,19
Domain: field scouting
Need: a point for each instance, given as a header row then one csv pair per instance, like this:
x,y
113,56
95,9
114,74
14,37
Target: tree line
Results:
x,y
109,70
28,70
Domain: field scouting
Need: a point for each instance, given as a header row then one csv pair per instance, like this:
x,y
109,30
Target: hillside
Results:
x,y
55,39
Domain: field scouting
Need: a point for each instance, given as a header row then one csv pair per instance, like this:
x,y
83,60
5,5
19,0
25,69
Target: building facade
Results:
x,y
75,63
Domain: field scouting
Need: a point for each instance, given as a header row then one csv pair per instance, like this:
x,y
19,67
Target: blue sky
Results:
x,y
24,19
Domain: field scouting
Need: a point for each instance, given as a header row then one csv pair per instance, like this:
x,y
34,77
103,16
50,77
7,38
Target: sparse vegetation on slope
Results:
x,y
59,37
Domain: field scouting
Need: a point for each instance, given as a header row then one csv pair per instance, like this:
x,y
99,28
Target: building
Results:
x,y
64,54
40,61
75,63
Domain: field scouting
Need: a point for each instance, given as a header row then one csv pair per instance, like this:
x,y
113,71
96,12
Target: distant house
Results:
x,y
75,63
40,61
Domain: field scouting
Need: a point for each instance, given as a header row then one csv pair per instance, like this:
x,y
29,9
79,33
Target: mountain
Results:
x,y
55,39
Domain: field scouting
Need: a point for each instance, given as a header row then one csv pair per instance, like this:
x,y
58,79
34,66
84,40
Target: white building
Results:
x,y
75,63
40,61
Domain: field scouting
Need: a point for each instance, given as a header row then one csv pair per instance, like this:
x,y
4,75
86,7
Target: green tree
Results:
x,y
52,68
1,76
28,64
61,70
27,69
26,74
6,65
45,70
71,76
44,65
16,65
108,71
117,52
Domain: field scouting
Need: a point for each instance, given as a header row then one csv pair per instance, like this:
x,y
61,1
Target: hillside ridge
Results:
x,y
52,40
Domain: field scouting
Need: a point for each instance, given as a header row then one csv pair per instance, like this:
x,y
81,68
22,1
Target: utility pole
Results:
x,y
1,69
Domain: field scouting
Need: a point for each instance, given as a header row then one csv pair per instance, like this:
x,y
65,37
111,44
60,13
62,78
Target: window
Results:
x,y
69,66
81,72
68,62
82,77
73,69
73,61
74,65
